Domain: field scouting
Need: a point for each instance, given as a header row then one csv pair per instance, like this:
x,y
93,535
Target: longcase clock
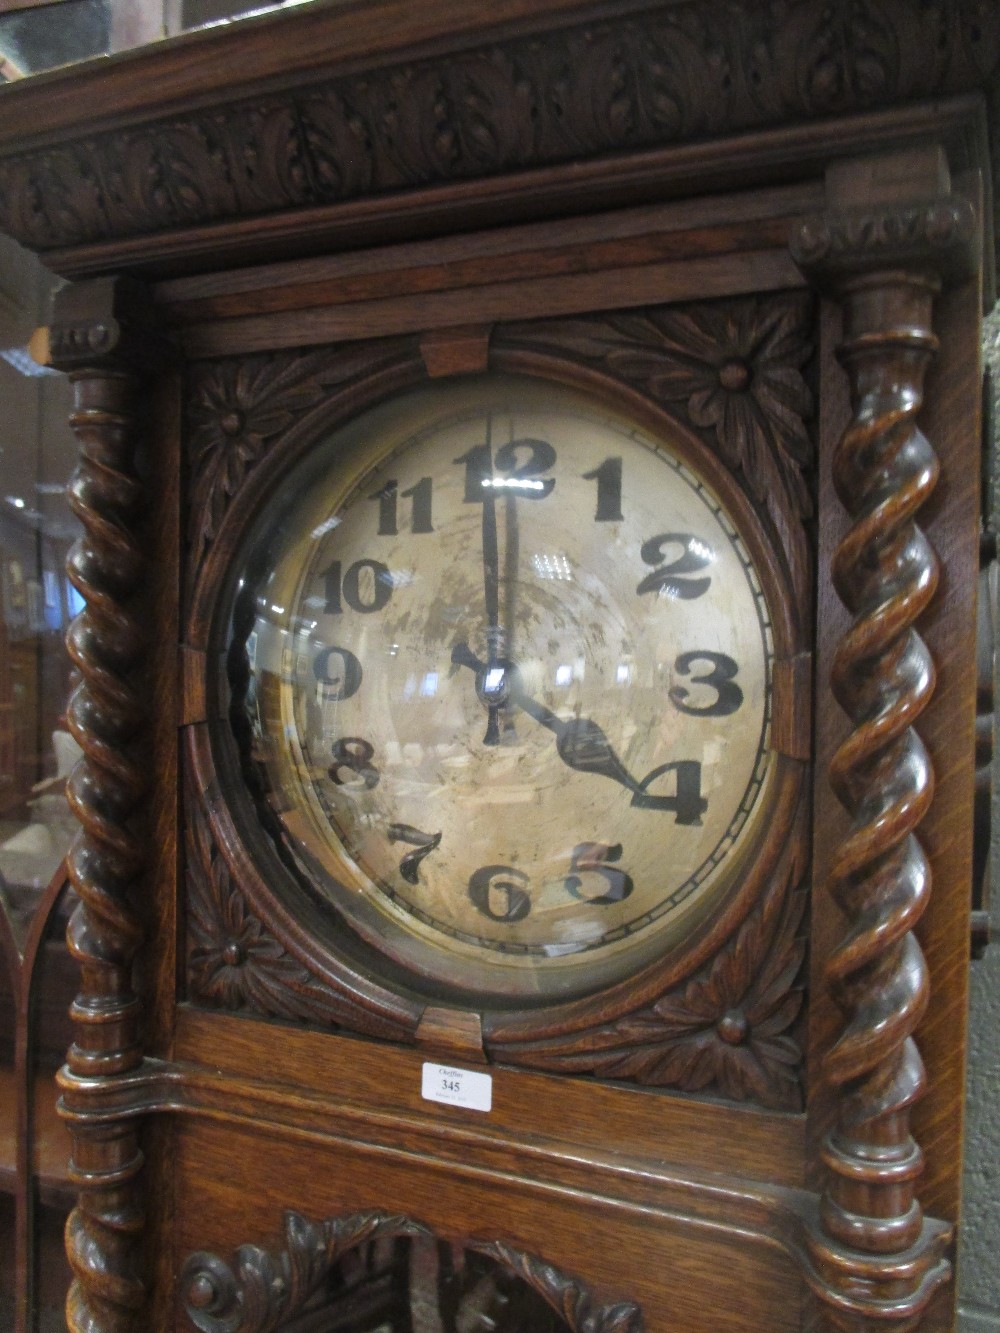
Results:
x,y
529,482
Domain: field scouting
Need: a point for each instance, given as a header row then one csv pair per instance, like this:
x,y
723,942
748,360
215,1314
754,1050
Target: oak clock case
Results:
x,y
494,696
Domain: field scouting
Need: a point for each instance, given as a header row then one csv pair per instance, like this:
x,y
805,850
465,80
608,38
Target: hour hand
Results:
x,y
580,743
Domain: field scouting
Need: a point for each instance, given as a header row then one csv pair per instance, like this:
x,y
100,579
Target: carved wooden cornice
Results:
x,y
567,85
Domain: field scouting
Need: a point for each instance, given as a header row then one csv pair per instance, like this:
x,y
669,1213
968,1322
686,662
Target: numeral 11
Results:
x,y
388,517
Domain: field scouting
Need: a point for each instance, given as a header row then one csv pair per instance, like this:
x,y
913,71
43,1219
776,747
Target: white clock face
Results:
x,y
511,663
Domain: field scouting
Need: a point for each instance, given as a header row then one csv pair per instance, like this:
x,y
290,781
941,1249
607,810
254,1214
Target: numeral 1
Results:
x,y
387,497
478,468
609,490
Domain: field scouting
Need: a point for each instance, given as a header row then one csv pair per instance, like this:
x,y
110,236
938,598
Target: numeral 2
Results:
x,y
675,578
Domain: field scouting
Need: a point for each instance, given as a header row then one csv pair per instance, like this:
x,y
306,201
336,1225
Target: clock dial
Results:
x,y
509,662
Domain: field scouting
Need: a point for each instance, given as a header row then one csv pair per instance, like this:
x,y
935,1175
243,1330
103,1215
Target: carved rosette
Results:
x,y
732,370
106,716
672,74
236,963
237,409
732,1029
885,267
261,1290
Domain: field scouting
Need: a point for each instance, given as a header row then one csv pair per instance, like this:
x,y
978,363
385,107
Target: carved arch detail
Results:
x,y
262,1289
732,373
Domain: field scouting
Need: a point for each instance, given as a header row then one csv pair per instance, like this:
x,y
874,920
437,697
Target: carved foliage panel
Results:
x,y
264,1290
732,372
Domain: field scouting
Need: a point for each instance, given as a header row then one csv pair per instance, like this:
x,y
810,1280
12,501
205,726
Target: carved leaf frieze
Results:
x,y
731,1029
671,75
262,1289
234,962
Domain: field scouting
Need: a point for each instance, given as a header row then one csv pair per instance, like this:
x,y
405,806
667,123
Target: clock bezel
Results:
x,y
373,977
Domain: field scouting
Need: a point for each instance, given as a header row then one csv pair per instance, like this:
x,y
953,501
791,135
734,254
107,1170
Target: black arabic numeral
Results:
x,y
349,586
609,490
541,458
687,803
674,578
355,755
425,843
386,498
728,695
332,580
478,471
593,857
420,520
498,892
340,680
388,504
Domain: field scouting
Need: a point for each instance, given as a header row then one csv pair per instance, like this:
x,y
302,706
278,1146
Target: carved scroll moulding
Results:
x,y
262,1289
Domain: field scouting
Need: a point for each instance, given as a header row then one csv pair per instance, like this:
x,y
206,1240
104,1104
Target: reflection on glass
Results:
x,y
37,753
63,32
37,602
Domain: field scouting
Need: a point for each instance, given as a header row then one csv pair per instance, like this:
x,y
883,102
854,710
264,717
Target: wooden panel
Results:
x,y
625,239
683,1275
384,1082
531,298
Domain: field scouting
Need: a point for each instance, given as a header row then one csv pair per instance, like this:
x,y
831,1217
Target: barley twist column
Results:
x,y
878,1260
106,791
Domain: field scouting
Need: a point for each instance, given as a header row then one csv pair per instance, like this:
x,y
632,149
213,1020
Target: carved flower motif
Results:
x,y
238,408
230,952
728,1030
743,381
735,366
235,962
